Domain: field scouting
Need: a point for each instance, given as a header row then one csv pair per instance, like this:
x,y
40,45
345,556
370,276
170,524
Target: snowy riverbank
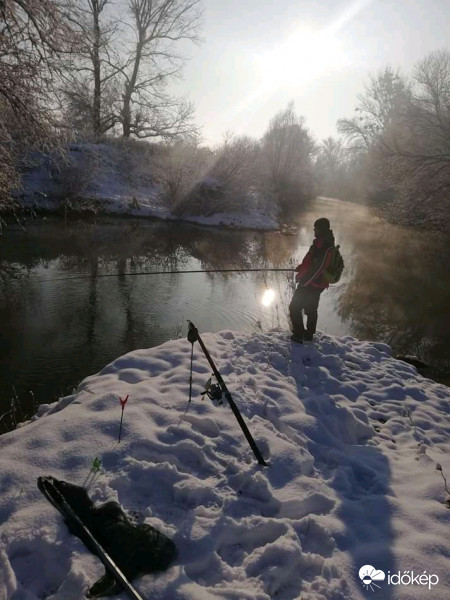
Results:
x,y
105,179
352,436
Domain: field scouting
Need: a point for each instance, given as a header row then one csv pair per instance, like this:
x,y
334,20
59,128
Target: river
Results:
x,y
62,322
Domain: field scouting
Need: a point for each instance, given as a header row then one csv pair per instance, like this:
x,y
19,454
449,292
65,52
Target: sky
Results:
x,y
258,55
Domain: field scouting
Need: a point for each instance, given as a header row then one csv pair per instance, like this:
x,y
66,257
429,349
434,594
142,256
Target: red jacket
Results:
x,y
316,261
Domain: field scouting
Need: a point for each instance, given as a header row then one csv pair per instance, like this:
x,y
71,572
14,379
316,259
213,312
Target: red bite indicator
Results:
x,y
122,403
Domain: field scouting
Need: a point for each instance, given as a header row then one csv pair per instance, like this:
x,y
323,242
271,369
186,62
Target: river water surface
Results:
x,y
60,321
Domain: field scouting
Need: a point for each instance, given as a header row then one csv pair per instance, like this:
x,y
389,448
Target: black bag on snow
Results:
x,y
136,549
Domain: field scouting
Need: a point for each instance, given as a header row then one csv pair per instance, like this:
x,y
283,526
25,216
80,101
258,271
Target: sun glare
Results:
x,y
302,57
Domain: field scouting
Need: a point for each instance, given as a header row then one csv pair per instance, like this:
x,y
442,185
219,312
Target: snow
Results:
x,y
357,444
109,184
118,186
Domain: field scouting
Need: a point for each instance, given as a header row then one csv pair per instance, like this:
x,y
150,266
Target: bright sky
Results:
x,y
258,55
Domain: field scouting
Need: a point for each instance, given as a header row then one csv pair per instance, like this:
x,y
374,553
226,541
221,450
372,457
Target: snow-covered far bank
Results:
x,y
353,438
100,179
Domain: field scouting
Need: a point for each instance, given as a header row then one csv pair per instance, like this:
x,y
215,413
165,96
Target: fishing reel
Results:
x,y
213,391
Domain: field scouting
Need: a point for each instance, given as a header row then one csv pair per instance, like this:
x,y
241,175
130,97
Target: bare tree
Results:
x,y
331,168
100,40
151,62
230,173
428,116
383,101
403,135
90,70
419,158
287,149
235,164
379,118
33,36
331,155
178,168
9,177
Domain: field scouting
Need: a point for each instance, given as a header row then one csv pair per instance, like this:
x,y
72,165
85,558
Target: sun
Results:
x,y
302,57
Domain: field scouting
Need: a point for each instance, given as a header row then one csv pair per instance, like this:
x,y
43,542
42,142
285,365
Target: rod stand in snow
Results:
x,y
194,336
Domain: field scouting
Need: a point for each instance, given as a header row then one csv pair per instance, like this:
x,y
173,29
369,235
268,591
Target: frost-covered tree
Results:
x,y
419,157
287,150
334,169
152,60
91,69
379,107
33,37
126,56
403,138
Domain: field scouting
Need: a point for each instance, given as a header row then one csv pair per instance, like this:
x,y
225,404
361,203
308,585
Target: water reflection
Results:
x,y
112,246
399,291
268,297
57,328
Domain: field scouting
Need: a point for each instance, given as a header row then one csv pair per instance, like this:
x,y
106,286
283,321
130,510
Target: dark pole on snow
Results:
x,y
194,336
108,562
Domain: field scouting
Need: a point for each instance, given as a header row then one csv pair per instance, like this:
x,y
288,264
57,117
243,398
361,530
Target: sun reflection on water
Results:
x,y
268,297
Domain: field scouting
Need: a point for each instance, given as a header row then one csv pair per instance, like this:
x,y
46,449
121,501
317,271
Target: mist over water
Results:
x,y
57,330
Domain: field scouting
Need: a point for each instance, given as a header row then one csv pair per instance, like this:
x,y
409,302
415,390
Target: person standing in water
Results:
x,y
311,282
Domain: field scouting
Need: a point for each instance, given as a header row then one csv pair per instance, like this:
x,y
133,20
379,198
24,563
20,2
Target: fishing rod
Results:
x,y
194,336
167,273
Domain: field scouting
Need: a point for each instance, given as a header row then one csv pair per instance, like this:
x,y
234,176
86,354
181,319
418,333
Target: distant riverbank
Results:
x,y
96,181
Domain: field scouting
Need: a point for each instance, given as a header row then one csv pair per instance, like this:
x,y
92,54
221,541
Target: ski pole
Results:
x,y
108,562
194,336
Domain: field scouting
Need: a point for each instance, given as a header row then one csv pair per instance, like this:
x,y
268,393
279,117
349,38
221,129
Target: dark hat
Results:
x,y
322,224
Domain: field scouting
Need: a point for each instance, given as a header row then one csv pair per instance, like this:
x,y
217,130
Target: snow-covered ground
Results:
x,y
102,175
353,439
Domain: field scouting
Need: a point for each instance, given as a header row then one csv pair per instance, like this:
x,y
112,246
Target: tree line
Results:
x,y
394,152
81,69
84,70
274,172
